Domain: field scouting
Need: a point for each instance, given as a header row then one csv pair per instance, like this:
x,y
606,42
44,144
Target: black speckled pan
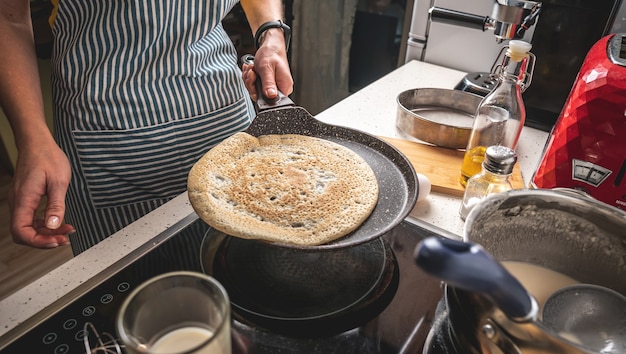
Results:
x,y
397,180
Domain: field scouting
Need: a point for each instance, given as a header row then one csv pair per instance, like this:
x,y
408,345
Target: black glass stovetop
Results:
x,y
402,325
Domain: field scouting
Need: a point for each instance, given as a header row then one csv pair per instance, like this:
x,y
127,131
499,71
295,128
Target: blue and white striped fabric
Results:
x,y
141,89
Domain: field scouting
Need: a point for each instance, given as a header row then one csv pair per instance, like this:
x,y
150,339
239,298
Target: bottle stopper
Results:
x,y
518,49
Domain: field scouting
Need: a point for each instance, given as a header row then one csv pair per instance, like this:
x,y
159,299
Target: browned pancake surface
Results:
x,y
283,188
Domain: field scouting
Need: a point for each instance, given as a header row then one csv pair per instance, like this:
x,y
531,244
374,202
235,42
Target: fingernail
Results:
x,y
65,243
52,245
271,92
53,222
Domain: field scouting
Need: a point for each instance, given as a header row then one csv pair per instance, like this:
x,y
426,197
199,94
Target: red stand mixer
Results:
x,y
586,149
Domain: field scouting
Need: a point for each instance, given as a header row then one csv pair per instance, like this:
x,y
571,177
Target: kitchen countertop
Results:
x,y
372,109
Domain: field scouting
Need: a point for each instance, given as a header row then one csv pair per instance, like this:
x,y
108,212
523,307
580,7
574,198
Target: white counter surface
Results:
x,y
372,109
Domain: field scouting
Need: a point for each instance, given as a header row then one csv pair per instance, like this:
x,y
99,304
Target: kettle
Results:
x,y
586,149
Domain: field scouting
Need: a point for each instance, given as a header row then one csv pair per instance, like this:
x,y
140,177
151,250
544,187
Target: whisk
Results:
x,y
103,343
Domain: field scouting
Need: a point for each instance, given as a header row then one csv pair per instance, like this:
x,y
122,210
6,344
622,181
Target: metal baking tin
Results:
x,y
440,117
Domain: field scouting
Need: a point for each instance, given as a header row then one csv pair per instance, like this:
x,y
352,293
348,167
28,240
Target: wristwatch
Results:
x,y
258,36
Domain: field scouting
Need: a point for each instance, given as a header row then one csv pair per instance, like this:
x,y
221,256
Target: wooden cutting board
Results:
x,y
442,166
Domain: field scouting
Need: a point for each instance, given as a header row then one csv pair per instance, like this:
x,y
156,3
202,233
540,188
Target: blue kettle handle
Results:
x,y
468,266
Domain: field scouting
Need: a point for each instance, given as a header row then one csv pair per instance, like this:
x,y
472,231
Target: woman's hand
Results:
x,y
42,170
271,65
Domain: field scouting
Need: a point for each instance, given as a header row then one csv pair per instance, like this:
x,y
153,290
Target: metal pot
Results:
x,y
563,231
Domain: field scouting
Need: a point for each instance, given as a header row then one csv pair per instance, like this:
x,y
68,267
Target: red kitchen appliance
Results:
x,y
586,149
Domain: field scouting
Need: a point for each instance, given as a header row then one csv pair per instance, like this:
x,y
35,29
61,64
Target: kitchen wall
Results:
x,y
338,47
377,39
320,51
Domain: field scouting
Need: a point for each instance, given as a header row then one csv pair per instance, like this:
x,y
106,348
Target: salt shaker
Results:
x,y
493,178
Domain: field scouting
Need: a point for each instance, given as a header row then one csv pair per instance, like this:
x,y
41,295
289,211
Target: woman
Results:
x,y
141,89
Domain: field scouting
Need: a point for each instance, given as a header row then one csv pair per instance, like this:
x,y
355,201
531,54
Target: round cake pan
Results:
x,y
440,117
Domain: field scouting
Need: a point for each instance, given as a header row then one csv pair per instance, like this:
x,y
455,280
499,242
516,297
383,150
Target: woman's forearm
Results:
x,y
20,88
259,12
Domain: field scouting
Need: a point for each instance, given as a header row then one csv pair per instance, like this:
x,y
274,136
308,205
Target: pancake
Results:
x,y
290,188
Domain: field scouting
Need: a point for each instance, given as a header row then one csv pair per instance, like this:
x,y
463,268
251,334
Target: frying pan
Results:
x,y
397,181
300,292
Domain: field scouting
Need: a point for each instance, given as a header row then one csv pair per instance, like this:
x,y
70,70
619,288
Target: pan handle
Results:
x,y
263,103
468,266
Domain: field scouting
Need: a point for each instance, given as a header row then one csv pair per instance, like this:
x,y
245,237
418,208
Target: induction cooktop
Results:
x,y
84,321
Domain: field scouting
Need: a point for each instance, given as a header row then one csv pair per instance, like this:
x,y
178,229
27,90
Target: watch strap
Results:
x,y
272,24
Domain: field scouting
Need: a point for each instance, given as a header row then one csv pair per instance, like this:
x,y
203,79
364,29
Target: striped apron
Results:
x,y
141,90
